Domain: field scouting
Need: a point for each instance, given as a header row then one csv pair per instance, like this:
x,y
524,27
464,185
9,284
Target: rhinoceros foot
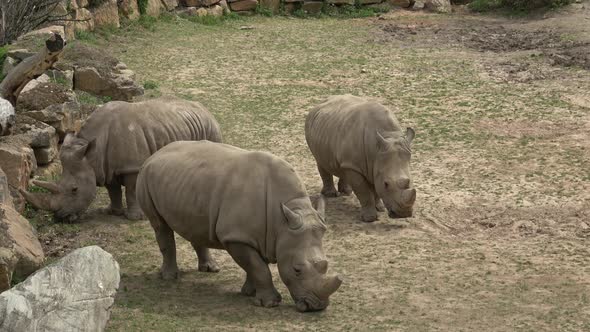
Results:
x,y
112,211
344,188
169,274
329,192
267,298
134,215
368,214
209,266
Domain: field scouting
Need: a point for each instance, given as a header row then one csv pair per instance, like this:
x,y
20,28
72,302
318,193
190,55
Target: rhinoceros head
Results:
x,y
391,172
301,260
75,190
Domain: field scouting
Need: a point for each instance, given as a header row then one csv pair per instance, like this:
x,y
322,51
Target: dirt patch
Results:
x,y
484,36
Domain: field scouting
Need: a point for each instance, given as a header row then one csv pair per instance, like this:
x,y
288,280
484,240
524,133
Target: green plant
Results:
x,y
206,20
142,4
515,5
150,85
263,11
148,22
85,36
3,51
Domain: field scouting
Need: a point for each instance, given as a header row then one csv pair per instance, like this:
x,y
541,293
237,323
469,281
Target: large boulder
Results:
x,y
42,93
170,5
119,84
7,117
20,251
83,20
439,6
63,117
401,3
18,161
129,9
74,294
5,197
8,65
243,5
106,14
154,8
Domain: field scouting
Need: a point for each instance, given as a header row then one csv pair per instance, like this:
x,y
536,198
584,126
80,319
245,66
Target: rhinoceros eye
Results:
x,y
74,190
297,270
386,185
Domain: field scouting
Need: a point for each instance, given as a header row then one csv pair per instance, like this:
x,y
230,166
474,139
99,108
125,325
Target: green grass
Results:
x,y
3,51
518,6
90,99
150,85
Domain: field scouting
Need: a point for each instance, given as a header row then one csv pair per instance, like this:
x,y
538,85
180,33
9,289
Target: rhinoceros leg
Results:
x,y
328,180
257,273
248,288
116,198
364,192
133,211
344,188
206,262
167,244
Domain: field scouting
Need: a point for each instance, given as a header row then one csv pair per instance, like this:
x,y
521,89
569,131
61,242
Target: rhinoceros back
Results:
x,y
341,133
126,134
213,193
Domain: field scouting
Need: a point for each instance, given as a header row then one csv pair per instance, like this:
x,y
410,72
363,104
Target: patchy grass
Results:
x,y
499,239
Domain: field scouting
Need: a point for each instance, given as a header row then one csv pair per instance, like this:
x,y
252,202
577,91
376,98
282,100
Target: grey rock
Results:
x,y
74,294
7,117
8,65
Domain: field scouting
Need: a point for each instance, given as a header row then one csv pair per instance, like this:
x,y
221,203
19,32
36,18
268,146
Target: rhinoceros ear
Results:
x,y
294,220
320,206
410,133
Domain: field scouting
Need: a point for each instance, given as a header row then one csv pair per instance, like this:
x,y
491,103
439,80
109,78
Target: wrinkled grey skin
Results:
x,y
110,149
251,204
362,143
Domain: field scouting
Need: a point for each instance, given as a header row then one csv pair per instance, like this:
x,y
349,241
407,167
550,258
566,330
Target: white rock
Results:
x,y
7,117
74,294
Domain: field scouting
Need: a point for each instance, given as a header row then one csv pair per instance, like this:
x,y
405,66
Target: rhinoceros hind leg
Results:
x,y
165,238
266,295
344,188
116,198
365,195
328,189
206,262
133,211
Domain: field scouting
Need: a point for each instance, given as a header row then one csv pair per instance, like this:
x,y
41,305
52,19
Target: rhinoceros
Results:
x,y
362,143
251,204
110,148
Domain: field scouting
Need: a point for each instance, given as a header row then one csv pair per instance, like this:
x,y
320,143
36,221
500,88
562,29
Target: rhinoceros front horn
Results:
x,y
409,197
40,201
332,284
51,186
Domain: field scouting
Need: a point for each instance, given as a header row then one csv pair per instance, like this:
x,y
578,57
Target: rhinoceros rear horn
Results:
x,y
40,201
294,220
409,197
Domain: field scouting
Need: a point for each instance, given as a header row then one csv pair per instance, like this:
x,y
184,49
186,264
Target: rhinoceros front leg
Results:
x,y
167,244
364,192
133,211
116,198
258,276
328,189
206,262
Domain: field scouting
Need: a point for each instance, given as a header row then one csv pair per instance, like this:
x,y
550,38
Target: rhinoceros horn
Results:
x,y
409,197
330,286
40,201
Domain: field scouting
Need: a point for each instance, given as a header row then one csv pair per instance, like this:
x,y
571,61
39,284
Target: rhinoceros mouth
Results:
x,y
68,218
400,214
307,304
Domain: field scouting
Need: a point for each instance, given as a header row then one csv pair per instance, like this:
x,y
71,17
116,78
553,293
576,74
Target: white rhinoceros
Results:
x,y
251,204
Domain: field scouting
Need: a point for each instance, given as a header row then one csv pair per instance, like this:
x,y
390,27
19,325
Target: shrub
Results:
x,y
95,3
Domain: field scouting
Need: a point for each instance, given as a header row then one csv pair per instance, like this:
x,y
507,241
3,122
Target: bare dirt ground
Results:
x,y
501,107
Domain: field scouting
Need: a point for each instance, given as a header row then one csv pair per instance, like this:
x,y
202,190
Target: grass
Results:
x,y
497,242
